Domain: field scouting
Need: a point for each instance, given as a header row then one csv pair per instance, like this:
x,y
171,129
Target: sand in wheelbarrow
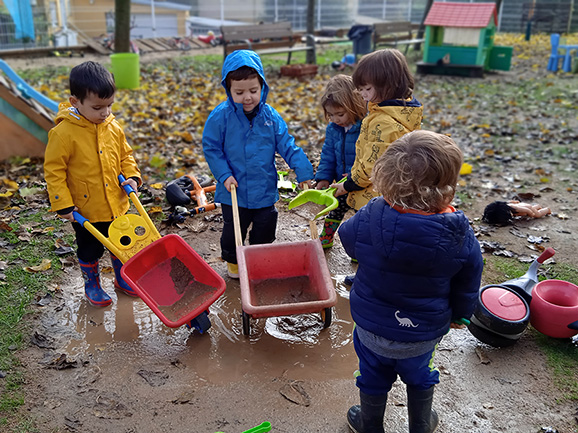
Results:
x,y
187,292
277,291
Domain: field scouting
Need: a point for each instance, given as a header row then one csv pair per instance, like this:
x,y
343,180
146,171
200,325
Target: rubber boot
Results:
x,y
92,289
329,228
367,417
422,418
119,282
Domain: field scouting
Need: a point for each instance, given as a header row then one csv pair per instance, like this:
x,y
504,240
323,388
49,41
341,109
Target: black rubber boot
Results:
x,y
422,418
367,417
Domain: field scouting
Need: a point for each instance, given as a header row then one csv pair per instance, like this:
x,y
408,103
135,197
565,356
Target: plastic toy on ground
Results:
x,y
261,428
554,308
168,275
503,310
180,192
282,278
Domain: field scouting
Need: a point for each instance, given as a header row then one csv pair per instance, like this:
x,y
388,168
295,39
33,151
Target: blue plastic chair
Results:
x,y
555,56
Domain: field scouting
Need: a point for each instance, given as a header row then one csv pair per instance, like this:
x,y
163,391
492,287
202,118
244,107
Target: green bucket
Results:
x,y
126,70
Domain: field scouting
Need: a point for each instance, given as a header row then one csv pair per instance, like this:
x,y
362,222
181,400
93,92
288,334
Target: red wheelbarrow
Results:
x,y
282,278
169,276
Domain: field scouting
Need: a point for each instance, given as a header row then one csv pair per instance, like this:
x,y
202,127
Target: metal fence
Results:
x,y
514,16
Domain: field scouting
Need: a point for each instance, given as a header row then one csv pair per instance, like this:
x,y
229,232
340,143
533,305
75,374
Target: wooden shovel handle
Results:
x,y
236,221
312,225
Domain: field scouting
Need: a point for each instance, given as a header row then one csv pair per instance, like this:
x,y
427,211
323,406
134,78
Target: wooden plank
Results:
x,y
24,107
152,44
17,141
141,47
164,44
259,31
90,42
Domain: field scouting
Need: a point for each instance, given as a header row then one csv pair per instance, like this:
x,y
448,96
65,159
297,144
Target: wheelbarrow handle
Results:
x,y
98,235
127,188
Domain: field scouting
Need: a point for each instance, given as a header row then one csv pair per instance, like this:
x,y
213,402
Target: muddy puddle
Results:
x,y
222,354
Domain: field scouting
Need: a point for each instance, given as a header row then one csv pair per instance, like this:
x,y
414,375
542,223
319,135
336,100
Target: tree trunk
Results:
x,y
122,26
311,58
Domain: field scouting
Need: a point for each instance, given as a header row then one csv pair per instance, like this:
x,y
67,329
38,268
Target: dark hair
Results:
x,y
341,93
91,77
387,71
419,171
243,73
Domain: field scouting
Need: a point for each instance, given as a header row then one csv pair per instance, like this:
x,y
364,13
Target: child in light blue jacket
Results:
x,y
240,140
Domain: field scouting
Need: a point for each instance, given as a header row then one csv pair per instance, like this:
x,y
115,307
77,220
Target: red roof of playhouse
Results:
x,y
449,14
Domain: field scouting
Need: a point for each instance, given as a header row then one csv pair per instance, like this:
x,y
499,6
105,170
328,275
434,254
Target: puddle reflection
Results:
x,y
277,345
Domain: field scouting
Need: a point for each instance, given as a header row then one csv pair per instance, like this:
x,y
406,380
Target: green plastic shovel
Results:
x,y
323,197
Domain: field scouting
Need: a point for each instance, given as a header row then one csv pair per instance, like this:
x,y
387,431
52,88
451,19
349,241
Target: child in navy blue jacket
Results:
x,y
419,272
344,108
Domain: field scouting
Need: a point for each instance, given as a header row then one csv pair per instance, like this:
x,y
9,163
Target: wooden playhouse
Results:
x,y
459,40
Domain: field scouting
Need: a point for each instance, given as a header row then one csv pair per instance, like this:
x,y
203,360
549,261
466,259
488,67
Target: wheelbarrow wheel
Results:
x,y
246,323
326,317
201,323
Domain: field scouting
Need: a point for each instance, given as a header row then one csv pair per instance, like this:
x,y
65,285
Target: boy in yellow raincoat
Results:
x,y
86,152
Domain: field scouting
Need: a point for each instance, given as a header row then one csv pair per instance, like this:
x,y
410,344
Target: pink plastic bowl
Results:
x,y
554,306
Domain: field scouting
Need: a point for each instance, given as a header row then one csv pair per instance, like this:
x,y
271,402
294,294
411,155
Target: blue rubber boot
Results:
x,y
92,289
119,282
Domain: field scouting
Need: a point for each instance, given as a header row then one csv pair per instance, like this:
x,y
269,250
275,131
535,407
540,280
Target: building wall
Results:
x,y
90,15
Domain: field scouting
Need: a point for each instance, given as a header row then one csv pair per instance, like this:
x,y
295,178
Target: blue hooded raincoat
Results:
x,y
235,146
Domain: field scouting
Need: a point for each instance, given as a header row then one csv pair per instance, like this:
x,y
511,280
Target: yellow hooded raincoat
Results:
x,y
82,163
382,126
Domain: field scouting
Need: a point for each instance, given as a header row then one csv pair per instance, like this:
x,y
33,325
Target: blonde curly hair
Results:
x,y
341,93
419,171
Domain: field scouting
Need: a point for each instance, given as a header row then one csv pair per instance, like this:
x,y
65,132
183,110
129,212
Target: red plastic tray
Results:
x,y
284,278
173,280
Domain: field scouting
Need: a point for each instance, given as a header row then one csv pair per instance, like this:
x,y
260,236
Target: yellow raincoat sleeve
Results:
x,y
56,160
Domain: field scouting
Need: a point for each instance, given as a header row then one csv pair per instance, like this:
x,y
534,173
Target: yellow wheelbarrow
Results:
x,y
169,276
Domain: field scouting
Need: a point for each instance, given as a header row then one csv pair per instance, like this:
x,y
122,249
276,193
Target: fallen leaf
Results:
x,y
44,266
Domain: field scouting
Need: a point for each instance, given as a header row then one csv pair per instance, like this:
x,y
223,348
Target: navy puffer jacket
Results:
x,y
416,273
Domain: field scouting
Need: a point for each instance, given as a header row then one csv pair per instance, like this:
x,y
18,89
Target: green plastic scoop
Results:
x,y
323,197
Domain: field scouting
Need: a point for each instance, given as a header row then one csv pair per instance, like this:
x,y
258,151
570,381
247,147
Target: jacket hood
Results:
x,y
68,113
407,112
416,234
244,58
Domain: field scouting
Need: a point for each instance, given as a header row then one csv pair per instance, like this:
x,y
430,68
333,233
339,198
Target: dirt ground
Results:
x,y
119,369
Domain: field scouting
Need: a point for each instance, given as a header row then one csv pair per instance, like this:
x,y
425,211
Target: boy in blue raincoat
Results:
x,y
240,140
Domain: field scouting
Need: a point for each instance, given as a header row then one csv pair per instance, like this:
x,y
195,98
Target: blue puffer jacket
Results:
x,y
338,152
234,146
416,273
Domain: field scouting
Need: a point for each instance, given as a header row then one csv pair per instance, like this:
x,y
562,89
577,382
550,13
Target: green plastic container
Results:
x,y
126,70
500,58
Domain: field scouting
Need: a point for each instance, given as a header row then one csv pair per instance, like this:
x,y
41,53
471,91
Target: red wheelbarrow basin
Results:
x,y
284,278
173,280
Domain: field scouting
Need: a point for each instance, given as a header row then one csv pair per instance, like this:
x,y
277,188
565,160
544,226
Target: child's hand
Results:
x,y
454,325
306,182
322,184
130,182
69,216
340,190
230,181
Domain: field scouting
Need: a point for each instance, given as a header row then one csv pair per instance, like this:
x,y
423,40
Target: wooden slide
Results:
x,y
26,116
